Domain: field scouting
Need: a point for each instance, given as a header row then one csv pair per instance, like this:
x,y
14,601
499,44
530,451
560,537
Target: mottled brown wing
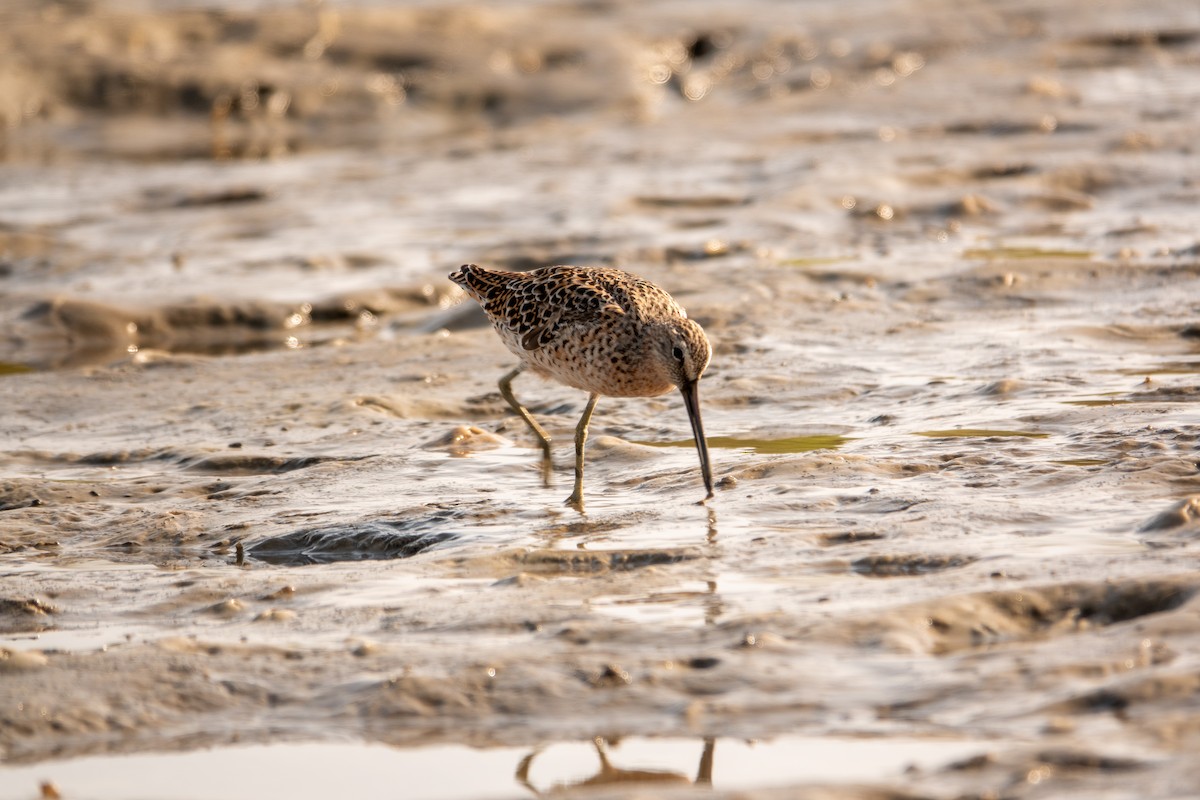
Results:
x,y
542,333
561,299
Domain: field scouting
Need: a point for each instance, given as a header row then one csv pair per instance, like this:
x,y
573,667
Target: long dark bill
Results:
x,y
691,399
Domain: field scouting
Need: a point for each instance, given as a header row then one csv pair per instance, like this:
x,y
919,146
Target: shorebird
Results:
x,y
598,329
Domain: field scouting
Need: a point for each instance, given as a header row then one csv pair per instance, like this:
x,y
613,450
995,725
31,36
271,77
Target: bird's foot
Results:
x,y
575,501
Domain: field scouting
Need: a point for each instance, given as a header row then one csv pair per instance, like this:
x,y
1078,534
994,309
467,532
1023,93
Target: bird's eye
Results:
x,y
677,354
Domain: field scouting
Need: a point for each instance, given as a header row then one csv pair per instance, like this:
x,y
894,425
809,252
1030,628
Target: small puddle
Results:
x,y
1112,401
9,368
1018,253
451,772
980,433
815,261
689,603
791,444
75,640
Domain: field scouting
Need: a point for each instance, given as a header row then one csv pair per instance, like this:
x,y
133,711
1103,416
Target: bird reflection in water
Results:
x,y
610,775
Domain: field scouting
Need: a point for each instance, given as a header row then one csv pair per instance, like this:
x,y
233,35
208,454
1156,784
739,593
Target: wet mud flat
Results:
x,y
263,508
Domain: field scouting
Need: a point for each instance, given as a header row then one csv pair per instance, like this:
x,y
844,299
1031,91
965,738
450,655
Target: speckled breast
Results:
x,y
606,361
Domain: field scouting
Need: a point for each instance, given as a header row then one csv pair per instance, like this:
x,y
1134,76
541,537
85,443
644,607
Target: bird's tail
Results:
x,y
478,282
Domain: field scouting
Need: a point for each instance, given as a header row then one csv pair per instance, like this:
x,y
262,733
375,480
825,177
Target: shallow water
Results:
x,y
453,771
256,464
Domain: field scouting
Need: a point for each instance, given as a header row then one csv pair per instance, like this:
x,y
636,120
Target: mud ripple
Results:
x,y
247,464
891,566
1183,517
371,540
572,562
975,620
1140,690
19,616
16,494
65,331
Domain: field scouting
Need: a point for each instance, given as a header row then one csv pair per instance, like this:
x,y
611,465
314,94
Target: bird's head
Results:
x,y
683,351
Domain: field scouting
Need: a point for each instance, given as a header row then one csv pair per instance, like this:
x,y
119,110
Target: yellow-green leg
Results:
x,y
581,431
543,438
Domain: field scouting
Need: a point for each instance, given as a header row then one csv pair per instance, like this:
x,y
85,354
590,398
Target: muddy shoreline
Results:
x,y
258,486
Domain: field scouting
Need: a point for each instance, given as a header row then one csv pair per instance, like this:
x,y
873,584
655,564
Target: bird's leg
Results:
x,y
581,431
543,438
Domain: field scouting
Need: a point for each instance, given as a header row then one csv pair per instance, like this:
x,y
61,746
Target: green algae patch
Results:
x,y
791,444
1020,253
8,368
1096,403
981,433
813,261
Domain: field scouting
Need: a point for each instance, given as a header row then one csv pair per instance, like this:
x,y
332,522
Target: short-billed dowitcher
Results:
x,y
601,330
